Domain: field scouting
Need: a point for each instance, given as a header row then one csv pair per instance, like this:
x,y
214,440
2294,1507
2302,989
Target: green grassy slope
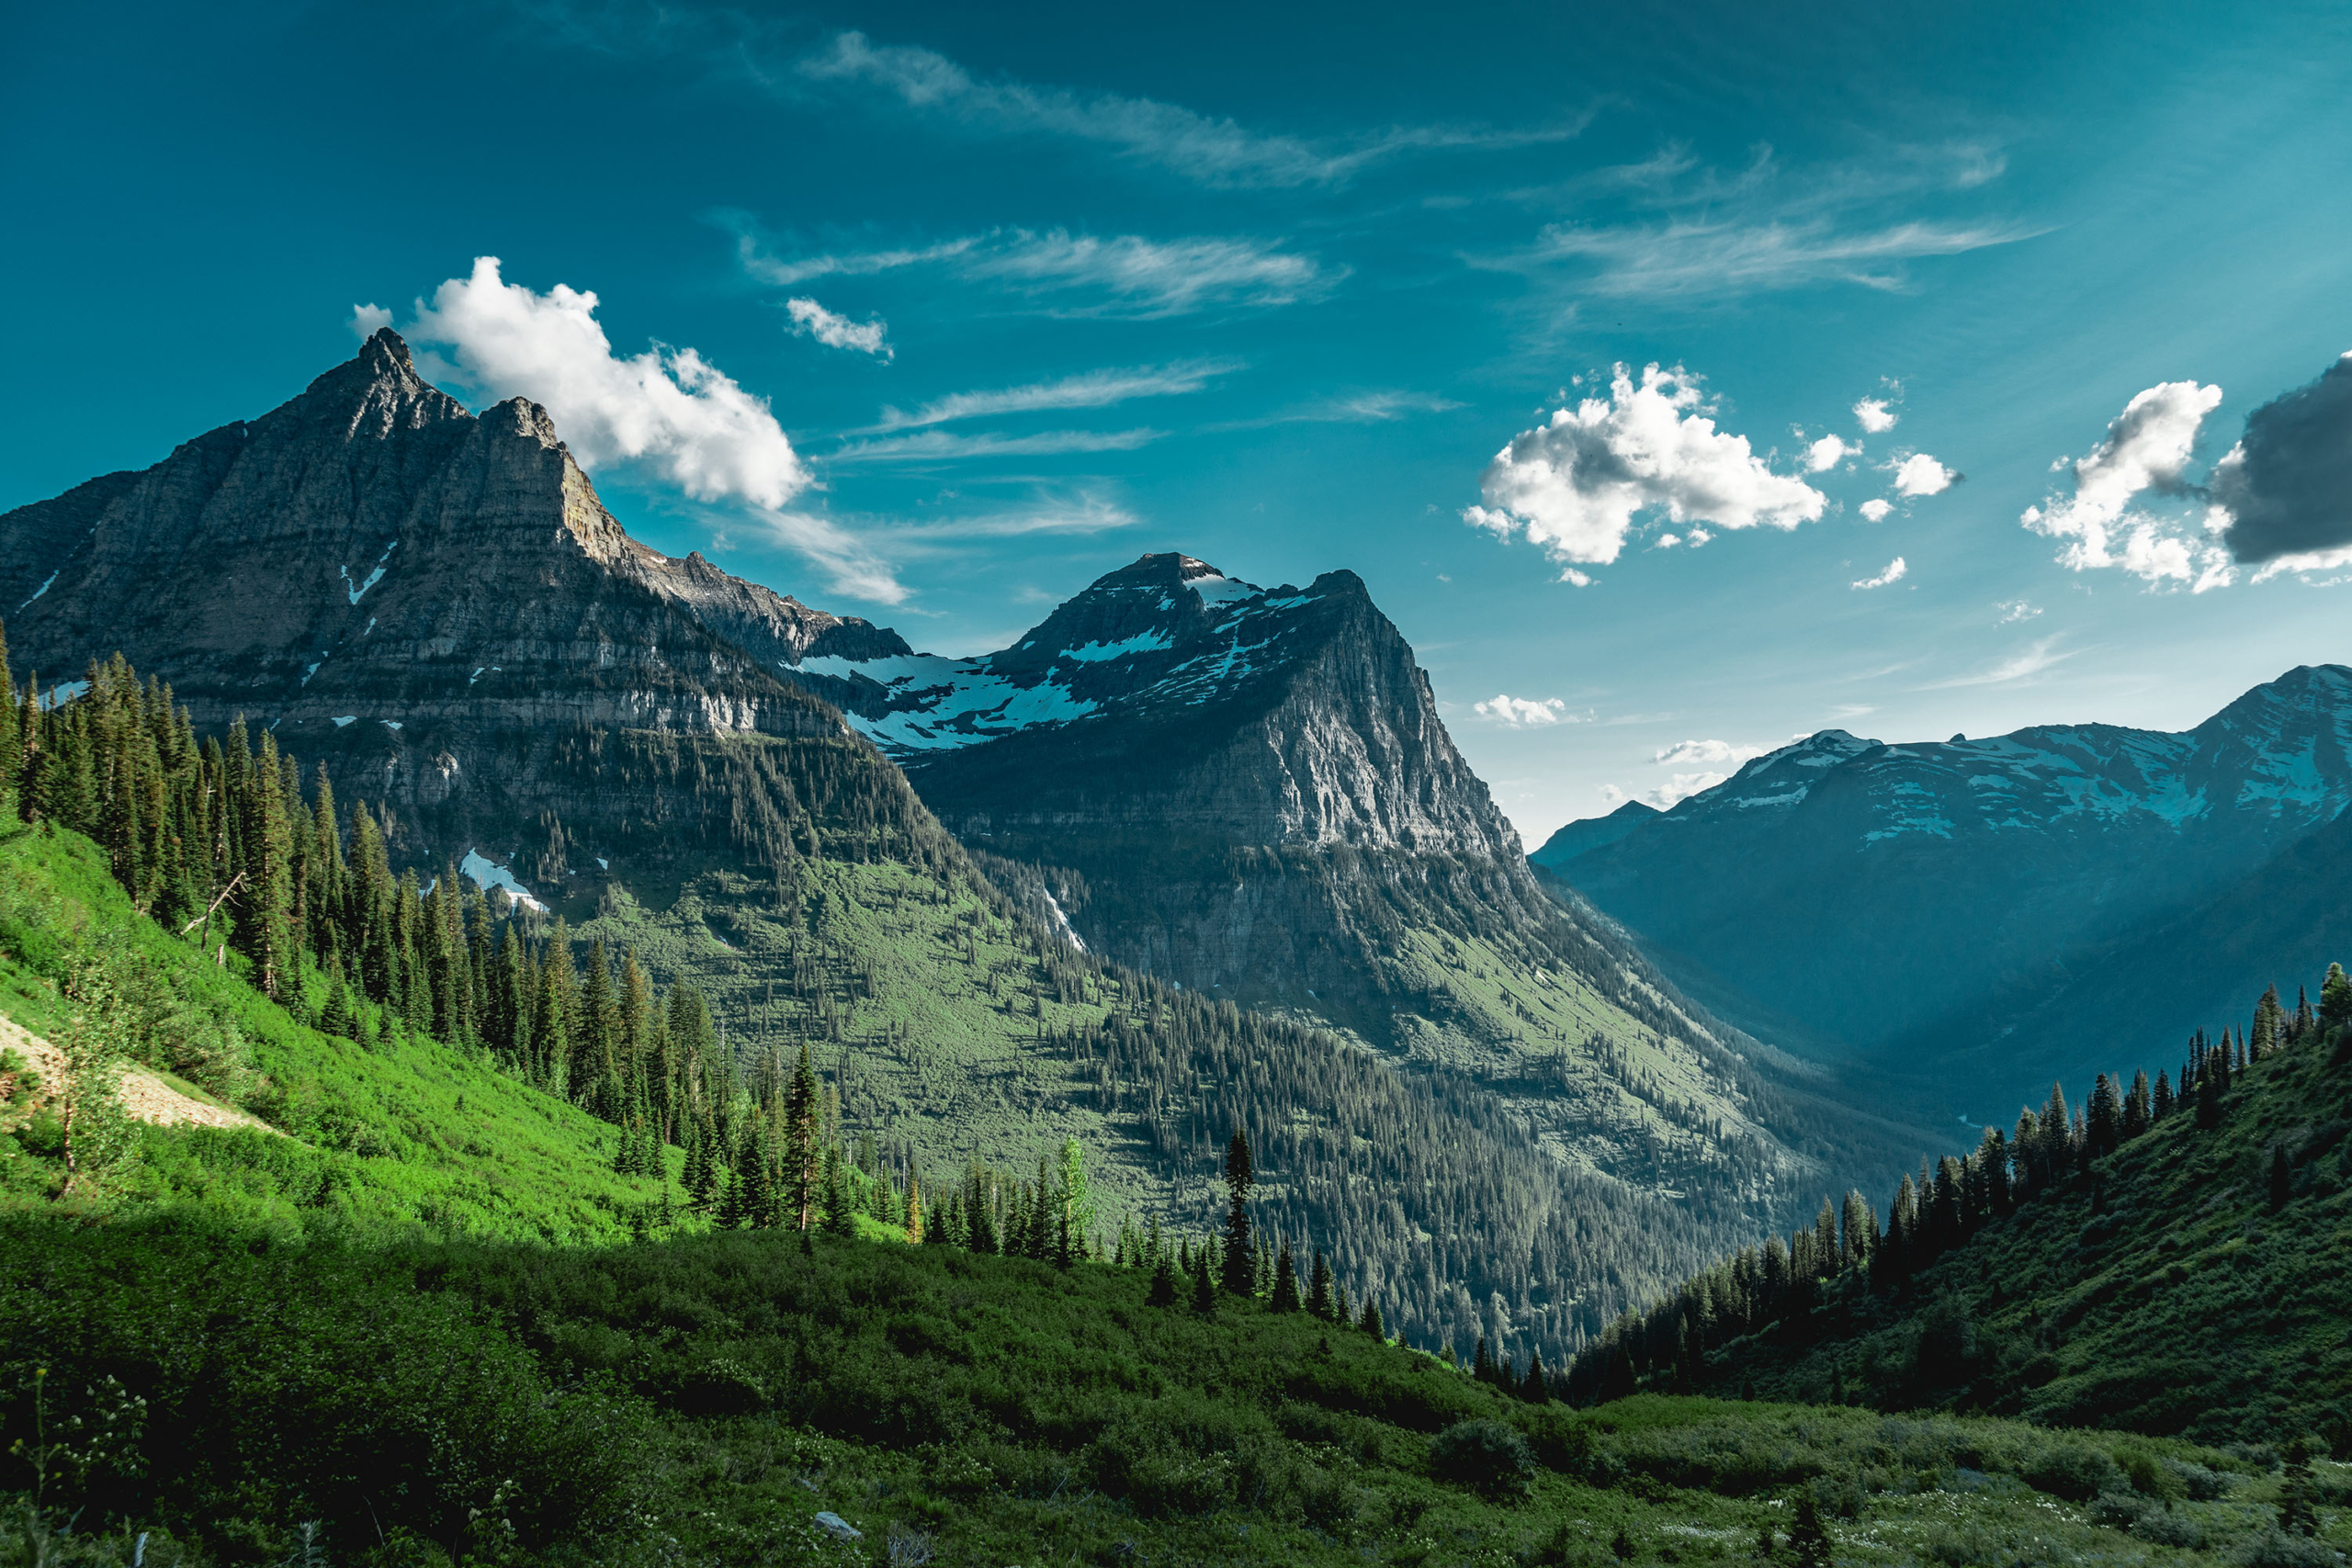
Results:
x,y
2162,1291
406,1132
702,1399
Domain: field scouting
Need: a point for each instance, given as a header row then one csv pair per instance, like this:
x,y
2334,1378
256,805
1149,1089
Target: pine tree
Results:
x,y
1204,1284
1163,1282
2296,1513
2268,1018
2335,999
800,1143
2162,1105
1537,1389
1482,1364
841,1216
1239,1275
1285,1293
2105,1121
1807,1539
337,1018
1370,1322
2139,1107
1319,1288
914,1210
1340,1312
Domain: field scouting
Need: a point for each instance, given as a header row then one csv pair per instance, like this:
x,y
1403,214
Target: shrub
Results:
x,y
1485,1456
2074,1470
2201,1485
2276,1549
2164,1527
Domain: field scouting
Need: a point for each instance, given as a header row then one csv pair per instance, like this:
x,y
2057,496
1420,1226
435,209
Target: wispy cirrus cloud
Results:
x,y
1074,274
931,445
2024,665
1204,148
1731,255
1670,228
1091,389
1350,407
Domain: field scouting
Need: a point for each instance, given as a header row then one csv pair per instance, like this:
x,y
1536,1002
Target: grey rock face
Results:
x,y
429,601
1242,788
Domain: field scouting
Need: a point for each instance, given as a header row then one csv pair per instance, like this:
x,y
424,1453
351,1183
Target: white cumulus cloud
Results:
x,y
1895,572
1695,753
667,414
1874,416
2147,448
667,411
1827,453
2015,609
367,320
1875,509
1921,475
1575,484
834,331
1681,787
1522,711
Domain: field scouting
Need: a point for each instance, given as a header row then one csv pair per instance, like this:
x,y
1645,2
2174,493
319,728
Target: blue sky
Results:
x,y
1275,287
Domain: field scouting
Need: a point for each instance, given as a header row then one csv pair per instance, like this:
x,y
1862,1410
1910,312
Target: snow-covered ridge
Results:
x,y
1148,636
2284,749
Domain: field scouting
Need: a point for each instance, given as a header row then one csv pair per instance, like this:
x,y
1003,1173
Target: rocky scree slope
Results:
x,y
1248,792
1983,903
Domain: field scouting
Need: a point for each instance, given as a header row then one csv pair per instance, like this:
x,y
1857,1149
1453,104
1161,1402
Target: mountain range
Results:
x,y
931,867
1973,914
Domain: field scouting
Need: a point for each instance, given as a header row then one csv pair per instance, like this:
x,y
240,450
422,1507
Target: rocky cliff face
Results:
x,y
1202,753
1932,899
437,604
1250,791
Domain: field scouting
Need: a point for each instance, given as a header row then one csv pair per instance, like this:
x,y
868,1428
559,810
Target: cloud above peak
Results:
x,y
1874,416
666,416
1574,485
667,411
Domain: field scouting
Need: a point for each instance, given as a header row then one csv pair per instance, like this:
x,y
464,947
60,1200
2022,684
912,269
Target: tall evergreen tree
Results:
x,y
2334,998
1537,1388
1318,1289
1203,1284
1370,1322
1286,1291
2161,1105
800,1141
1240,1276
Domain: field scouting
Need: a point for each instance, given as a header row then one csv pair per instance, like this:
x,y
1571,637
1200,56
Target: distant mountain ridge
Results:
x,y
1927,901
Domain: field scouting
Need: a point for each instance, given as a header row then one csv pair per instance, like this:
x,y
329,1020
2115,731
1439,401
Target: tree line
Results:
x,y
1846,1247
